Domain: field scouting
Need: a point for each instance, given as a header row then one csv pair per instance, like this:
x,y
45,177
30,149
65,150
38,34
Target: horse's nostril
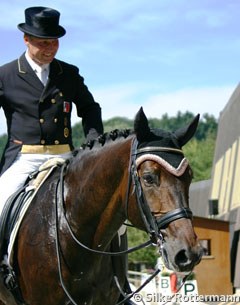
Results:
x,y
185,260
181,258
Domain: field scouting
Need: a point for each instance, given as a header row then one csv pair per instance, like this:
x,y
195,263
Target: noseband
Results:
x,y
154,225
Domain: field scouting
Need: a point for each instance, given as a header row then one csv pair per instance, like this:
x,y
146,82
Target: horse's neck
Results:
x,y
97,189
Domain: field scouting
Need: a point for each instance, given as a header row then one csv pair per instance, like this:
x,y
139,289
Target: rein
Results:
x,y
152,224
78,242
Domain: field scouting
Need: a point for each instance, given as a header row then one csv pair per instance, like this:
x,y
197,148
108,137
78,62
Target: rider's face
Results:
x,y
41,50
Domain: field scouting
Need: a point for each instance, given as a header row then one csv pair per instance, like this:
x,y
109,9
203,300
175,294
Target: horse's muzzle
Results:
x,y
184,260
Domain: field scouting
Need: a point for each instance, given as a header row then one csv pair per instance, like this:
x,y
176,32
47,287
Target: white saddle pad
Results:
x,y
45,170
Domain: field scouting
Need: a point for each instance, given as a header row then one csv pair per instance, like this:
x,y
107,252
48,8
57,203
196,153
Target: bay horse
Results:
x,y
140,176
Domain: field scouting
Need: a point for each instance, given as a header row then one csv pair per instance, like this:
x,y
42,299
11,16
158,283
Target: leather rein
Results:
x,y
152,224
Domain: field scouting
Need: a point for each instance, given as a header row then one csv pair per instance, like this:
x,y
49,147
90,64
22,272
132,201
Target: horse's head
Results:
x,y
162,178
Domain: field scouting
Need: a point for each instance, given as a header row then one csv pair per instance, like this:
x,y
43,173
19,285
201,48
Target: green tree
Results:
x,y
117,123
3,141
146,255
207,127
200,155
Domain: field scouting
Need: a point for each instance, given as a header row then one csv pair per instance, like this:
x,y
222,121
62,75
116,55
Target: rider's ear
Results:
x,y
184,134
141,127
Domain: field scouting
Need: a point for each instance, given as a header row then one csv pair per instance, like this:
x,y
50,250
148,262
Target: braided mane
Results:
x,y
106,137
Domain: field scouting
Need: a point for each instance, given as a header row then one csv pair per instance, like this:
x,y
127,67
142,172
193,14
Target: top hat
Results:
x,y
42,22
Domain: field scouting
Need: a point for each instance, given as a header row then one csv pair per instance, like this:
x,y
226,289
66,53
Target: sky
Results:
x,y
164,55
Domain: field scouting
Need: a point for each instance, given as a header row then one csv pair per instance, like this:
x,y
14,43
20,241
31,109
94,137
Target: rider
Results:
x,y
38,107
37,92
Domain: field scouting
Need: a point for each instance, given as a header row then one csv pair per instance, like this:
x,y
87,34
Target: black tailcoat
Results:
x,y
39,115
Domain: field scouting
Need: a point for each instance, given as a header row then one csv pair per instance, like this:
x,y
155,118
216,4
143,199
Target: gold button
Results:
x,y
43,142
41,121
66,132
56,142
55,120
53,101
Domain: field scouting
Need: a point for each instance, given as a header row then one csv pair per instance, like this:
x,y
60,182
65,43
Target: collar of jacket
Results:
x,y
25,68
26,72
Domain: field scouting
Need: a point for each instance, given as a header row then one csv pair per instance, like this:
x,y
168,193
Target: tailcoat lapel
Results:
x,y
26,72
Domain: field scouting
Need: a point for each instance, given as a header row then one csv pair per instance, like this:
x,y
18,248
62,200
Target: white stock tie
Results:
x,y
44,76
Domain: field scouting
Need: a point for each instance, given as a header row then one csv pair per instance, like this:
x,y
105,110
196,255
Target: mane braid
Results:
x,y
105,138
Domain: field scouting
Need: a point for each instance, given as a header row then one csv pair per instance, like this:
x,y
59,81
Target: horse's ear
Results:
x,y
184,134
141,127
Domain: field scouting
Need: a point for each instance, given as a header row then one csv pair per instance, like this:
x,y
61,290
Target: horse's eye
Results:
x,y
148,179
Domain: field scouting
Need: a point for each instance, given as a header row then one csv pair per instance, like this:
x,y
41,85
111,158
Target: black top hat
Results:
x,y
42,22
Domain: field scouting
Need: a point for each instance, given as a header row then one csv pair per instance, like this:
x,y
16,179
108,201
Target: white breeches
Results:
x,y
16,175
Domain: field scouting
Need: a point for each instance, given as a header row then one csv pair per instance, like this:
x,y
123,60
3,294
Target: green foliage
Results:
x,y
111,124
207,124
117,123
200,155
3,141
146,255
78,135
207,128
172,123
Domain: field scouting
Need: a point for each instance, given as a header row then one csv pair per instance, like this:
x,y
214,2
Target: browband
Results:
x,y
179,171
157,148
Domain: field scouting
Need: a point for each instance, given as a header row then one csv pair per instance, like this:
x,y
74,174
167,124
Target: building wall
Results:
x,y
224,185
229,125
198,197
226,177
226,165
213,272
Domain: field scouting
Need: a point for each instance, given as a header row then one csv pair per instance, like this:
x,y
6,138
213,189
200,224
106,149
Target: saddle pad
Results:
x,y
48,166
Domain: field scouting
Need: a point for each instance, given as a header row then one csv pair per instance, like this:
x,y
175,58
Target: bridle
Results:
x,y
152,224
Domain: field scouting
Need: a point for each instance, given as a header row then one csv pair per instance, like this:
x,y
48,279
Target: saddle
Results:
x,y
10,214
8,219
